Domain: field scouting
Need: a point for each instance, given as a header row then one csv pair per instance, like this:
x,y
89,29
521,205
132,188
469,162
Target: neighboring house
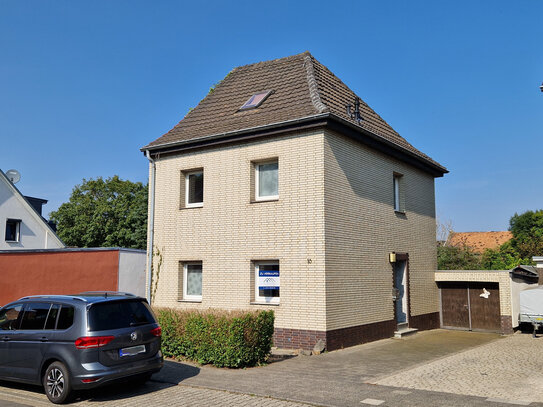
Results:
x,y
479,241
273,194
21,223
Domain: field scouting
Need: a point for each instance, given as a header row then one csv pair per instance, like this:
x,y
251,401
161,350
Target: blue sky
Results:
x,y
84,85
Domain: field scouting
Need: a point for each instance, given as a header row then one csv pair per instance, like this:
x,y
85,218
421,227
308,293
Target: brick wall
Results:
x,y
362,228
230,231
328,186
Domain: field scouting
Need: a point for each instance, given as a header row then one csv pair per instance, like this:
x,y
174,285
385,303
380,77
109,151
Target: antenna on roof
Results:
x,y
13,175
356,114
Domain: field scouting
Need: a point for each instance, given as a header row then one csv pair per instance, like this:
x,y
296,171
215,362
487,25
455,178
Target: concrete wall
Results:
x,y
57,272
362,228
132,271
34,232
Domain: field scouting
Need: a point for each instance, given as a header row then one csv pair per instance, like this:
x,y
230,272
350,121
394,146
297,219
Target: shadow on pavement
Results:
x,y
124,390
175,372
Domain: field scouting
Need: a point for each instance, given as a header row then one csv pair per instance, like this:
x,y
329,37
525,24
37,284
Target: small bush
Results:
x,y
224,339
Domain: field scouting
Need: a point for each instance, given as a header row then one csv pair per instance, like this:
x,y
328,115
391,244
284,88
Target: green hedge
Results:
x,y
221,338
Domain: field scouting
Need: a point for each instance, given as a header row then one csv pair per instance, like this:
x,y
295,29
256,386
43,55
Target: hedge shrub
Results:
x,y
222,338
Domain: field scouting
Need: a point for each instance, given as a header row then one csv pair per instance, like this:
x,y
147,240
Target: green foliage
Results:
x,y
457,258
224,339
527,230
104,213
504,258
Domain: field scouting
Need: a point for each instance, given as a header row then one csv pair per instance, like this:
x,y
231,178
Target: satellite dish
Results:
x,y
14,176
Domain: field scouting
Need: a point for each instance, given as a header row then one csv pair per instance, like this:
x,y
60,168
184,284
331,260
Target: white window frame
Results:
x,y
185,280
257,186
17,230
187,190
266,300
398,193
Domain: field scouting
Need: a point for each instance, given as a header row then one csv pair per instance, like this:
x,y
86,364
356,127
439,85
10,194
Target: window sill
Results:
x,y
191,207
274,304
253,201
193,301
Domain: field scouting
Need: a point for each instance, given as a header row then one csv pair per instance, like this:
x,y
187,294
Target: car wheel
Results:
x,y
56,383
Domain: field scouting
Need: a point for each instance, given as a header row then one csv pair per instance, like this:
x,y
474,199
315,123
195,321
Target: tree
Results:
x,y
503,258
527,230
104,213
457,258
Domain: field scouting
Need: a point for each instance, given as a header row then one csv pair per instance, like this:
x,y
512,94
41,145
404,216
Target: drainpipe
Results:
x,y
151,224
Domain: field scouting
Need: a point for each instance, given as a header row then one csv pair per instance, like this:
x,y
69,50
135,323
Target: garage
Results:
x,y
473,305
482,300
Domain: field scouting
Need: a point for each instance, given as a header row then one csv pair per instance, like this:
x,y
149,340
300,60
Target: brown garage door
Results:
x,y
455,309
471,305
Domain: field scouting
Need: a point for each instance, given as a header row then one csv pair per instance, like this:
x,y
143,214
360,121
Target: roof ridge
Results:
x,y
312,82
361,99
271,61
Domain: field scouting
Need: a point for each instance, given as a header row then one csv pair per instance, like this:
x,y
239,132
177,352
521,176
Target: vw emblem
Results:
x,y
133,336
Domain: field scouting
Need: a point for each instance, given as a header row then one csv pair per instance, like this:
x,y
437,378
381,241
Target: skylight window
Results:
x,y
256,100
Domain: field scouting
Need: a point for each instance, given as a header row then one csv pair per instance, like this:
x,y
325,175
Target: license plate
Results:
x,y
133,350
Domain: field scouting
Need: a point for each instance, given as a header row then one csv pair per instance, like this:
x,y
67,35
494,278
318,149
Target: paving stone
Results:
x,y
508,369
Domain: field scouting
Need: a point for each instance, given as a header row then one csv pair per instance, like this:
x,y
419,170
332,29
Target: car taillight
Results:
x,y
87,342
90,380
157,331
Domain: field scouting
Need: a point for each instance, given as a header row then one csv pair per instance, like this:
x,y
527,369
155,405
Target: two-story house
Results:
x,y
283,190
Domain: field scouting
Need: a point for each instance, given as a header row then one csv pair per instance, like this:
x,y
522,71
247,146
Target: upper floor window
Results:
x,y
398,193
267,180
13,230
194,189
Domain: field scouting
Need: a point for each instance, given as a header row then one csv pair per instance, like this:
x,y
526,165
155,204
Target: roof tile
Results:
x,y
302,87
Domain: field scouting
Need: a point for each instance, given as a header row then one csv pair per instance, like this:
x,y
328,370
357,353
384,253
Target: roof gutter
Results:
x,y
236,132
327,119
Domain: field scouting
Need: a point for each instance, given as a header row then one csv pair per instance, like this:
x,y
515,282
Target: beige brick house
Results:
x,y
273,193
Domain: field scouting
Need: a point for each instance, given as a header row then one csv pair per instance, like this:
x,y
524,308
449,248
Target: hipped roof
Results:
x,y
303,89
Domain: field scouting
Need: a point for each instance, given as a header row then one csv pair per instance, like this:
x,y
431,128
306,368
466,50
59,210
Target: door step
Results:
x,y
404,330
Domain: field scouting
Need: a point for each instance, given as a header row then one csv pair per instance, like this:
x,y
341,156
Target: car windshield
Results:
x,y
119,314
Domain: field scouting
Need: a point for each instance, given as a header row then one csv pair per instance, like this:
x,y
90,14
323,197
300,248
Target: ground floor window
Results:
x,y
267,282
192,281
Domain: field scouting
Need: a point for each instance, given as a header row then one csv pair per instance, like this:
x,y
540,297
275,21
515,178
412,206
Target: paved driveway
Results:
x,y
511,368
434,368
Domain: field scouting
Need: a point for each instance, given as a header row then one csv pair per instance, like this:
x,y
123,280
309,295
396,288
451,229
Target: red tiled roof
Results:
x,y
479,241
302,88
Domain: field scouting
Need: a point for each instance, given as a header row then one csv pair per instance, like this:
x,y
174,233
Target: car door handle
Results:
x,y
43,339
5,338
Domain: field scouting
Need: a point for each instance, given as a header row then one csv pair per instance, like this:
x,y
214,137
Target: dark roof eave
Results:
x,y
325,120
381,144
228,135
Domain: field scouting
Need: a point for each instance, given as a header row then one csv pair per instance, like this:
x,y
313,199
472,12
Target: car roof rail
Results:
x,y
106,293
59,296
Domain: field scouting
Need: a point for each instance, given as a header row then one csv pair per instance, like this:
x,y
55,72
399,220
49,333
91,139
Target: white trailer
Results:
x,y
531,307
